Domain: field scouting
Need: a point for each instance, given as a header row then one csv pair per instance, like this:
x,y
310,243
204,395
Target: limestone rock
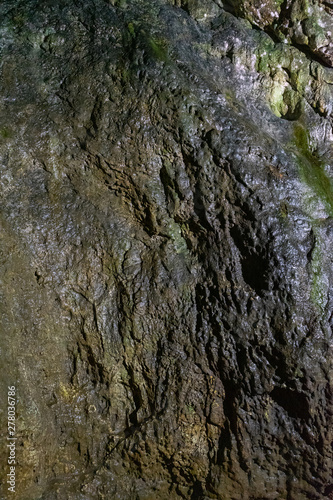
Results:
x,y
166,248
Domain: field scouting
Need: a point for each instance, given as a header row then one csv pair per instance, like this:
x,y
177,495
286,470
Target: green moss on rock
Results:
x,y
312,173
311,169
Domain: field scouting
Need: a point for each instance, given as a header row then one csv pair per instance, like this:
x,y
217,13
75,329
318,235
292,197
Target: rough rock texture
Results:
x,y
166,248
305,23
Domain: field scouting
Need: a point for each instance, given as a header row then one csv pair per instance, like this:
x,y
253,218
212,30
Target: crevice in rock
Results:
x,y
294,403
254,260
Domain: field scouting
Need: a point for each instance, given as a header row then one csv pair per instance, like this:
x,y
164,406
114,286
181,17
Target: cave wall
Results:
x,y
166,248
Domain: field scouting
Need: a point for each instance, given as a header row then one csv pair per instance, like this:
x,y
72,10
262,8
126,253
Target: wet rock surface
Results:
x,y
166,248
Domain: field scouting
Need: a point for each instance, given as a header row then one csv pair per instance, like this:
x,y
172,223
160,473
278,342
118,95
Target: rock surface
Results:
x,y
166,248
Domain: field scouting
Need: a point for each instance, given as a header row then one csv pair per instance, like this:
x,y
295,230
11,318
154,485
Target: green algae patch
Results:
x,y
137,36
131,29
284,210
158,49
312,173
311,169
268,56
5,133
